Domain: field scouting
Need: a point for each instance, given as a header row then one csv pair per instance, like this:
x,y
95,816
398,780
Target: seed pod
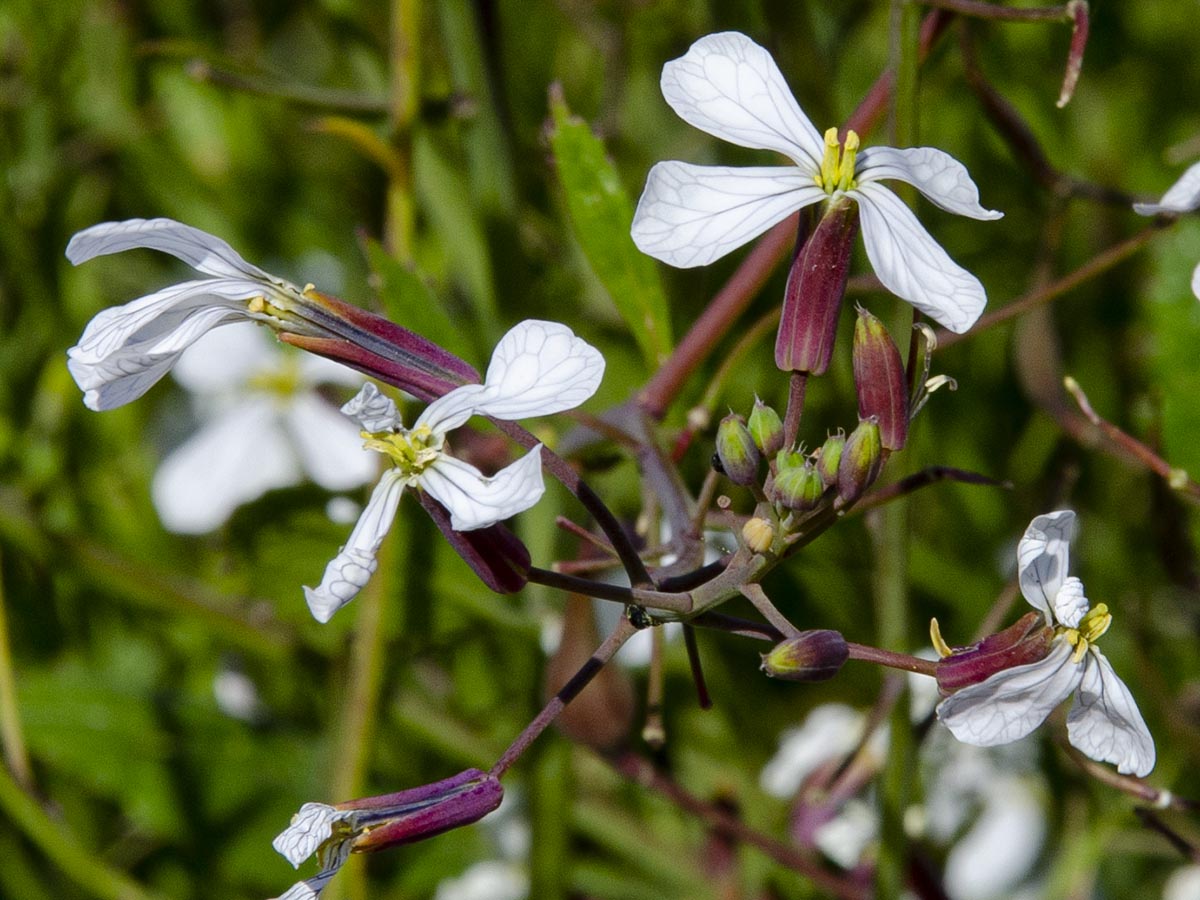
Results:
x,y
815,655
879,379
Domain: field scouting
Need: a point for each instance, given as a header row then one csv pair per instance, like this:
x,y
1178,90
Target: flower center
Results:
x,y
281,381
410,451
1090,629
837,168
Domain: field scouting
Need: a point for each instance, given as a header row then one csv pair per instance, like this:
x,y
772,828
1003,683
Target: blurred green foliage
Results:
x,y
226,116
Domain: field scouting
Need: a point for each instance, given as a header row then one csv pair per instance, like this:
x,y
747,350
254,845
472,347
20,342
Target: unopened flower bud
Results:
x,y
810,656
736,450
879,379
789,459
829,457
862,458
813,296
1025,642
799,488
759,534
766,428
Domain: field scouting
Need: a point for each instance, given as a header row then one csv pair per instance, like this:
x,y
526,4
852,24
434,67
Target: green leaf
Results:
x,y
601,215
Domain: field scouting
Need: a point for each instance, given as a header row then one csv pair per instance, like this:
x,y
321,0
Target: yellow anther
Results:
x,y
939,643
1080,649
837,166
1095,623
846,170
411,451
257,304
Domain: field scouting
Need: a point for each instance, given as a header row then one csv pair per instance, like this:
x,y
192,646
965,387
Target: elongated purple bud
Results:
x,y
879,379
423,812
813,296
495,554
1027,641
815,655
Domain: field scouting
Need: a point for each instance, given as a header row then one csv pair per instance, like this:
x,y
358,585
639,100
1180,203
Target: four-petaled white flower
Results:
x,y
538,368
1181,197
126,349
1104,721
691,215
263,426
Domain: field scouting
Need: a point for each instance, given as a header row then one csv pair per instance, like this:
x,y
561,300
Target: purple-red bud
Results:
x,y
862,458
879,379
423,812
766,428
815,655
736,450
1025,642
813,296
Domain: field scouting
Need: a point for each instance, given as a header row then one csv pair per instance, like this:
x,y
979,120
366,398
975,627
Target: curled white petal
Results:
x,y
730,87
1043,556
328,444
311,827
912,265
349,571
309,888
935,173
692,215
539,368
1182,196
477,501
1104,721
1010,704
235,458
1070,604
373,409
199,249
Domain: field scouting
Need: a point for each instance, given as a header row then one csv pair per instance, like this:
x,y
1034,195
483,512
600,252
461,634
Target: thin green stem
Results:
x,y
62,848
11,734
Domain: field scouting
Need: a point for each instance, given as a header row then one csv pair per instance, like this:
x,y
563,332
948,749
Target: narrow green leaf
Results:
x,y
601,214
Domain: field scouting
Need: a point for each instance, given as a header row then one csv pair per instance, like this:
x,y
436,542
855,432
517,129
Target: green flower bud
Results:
x,y
736,450
789,459
766,428
879,379
829,457
798,488
810,656
862,458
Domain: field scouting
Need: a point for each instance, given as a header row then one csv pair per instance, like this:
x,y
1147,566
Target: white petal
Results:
x,y
691,215
309,888
226,358
1011,704
539,368
937,175
103,388
235,458
1196,282
1043,556
476,501
157,315
912,265
1070,604
329,445
1182,196
730,87
349,571
1105,723
311,827
199,249
373,409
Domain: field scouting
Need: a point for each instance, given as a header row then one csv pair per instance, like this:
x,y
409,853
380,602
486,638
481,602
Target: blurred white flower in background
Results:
x,y
263,425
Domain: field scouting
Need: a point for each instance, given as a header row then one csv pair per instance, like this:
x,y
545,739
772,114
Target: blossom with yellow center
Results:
x,y
691,215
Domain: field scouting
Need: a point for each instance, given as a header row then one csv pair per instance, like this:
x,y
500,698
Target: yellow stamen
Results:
x,y
939,643
829,165
846,169
411,451
1090,629
837,166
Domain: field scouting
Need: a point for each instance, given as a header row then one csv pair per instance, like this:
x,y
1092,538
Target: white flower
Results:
x,y
324,830
1181,197
538,368
1104,721
691,215
124,350
264,426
